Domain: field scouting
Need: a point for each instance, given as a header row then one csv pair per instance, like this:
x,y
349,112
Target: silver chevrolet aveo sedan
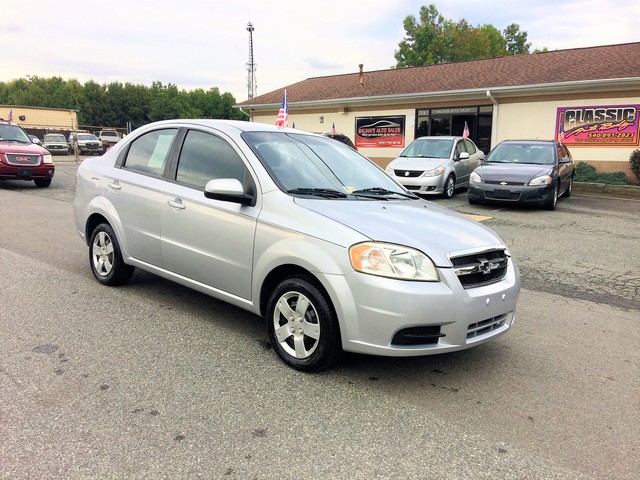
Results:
x,y
300,229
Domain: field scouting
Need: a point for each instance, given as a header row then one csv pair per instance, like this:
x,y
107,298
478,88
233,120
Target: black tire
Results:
x,y
43,182
105,257
449,187
567,193
302,325
553,201
472,201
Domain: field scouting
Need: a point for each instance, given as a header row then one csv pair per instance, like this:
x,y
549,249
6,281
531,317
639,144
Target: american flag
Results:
x,y
11,115
561,136
283,113
333,129
465,132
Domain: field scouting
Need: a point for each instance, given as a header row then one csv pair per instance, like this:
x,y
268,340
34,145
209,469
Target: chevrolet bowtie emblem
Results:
x,y
503,183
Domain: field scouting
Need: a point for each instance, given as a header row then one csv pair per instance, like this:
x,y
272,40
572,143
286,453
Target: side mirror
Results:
x,y
228,190
463,156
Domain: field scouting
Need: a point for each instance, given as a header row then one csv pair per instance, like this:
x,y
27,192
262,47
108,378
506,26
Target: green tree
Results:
x,y
497,43
116,104
516,40
434,39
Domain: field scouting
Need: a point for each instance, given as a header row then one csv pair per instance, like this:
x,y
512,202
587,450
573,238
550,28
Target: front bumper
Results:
x,y
53,149
18,172
422,185
90,149
388,317
515,194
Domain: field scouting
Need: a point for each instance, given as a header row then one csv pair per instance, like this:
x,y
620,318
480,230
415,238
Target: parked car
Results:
x,y
300,229
531,172
21,159
341,137
87,143
108,138
56,143
35,139
436,165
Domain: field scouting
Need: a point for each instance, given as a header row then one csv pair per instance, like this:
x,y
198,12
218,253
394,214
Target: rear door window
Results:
x,y
149,153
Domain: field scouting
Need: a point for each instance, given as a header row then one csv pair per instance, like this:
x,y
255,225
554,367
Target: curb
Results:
x,y
620,191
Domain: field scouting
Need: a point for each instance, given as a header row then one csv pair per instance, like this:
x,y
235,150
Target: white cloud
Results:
x,y
204,44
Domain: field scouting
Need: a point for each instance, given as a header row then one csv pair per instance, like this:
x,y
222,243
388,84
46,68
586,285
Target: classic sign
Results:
x,y
609,125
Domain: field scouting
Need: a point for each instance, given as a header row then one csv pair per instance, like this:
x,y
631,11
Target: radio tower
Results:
x,y
251,66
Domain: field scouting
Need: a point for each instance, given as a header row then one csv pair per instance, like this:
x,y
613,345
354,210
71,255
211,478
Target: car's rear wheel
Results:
x,y
449,187
567,193
105,257
43,182
553,201
302,325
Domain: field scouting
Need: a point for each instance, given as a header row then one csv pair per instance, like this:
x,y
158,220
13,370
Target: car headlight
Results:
x,y
434,173
543,180
393,261
389,170
475,177
48,158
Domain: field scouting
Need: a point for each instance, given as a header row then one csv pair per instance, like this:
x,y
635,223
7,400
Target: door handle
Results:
x,y
177,203
114,185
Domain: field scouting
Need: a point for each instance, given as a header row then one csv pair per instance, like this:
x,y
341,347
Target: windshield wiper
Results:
x,y
319,192
380,192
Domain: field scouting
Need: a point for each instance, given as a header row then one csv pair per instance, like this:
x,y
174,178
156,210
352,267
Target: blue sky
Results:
x,y
204,43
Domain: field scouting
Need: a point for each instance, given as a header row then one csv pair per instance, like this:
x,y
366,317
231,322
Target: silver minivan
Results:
x,y
300,229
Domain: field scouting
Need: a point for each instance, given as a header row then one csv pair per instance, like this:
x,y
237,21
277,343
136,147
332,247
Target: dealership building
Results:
x,y
587,97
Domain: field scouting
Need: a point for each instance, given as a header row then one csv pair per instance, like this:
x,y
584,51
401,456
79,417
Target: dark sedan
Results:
x,y
531,172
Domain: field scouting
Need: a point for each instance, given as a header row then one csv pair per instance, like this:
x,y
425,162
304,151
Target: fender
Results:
x,y
102,206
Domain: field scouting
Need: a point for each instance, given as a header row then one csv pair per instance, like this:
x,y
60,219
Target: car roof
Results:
x,y
528,141
438,137
227,126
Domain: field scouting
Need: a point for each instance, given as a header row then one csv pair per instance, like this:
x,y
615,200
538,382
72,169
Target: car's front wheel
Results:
x,y
449,186
105,257
553,201
302,325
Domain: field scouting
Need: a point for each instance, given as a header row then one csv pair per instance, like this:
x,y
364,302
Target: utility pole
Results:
x,y
251,66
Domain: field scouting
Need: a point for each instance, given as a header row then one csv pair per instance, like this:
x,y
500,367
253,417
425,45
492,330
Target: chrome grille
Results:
x,y
480,268
23,159
497,182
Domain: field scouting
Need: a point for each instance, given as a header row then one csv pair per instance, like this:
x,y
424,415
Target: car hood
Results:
x,y
512,172
420,224
417,163
27,148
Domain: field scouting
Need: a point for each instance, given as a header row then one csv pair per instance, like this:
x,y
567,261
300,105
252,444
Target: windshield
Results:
x,y
537,154
13,133
320,166
431,148
54,138
87,136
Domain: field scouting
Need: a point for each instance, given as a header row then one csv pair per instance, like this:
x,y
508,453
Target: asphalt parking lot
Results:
x,y
152,380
